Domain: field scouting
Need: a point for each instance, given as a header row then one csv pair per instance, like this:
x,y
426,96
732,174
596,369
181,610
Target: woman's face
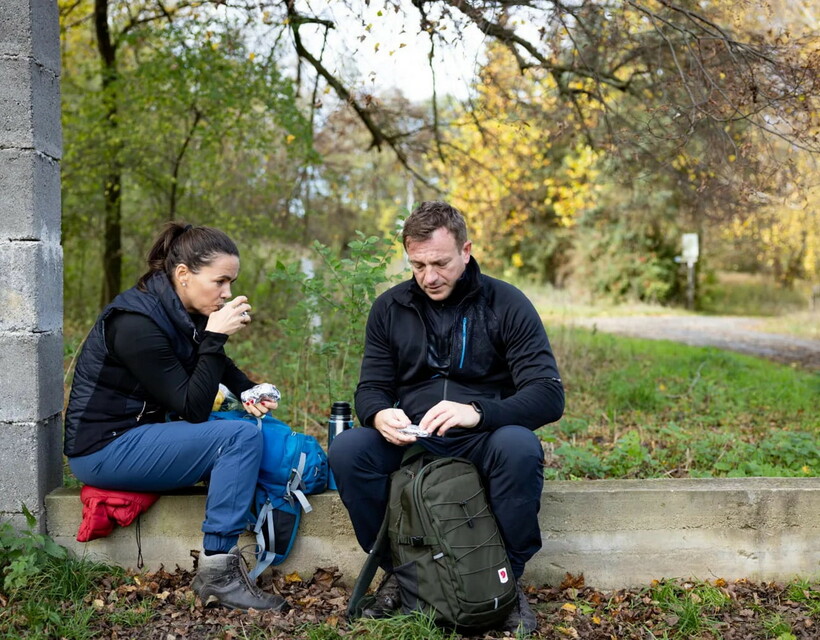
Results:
x,y
208,289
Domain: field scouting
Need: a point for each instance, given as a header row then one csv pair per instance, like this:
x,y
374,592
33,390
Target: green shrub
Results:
x,y
24,553
313,351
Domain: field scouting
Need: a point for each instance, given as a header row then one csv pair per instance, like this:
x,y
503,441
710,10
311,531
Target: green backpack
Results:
x,y
447,551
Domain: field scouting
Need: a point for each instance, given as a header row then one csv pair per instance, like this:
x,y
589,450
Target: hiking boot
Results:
x,y
223,579
387,599
521,620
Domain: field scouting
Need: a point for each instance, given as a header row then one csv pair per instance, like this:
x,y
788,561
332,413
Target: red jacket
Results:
x,y
103,509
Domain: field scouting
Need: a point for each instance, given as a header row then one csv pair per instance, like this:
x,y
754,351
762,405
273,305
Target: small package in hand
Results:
x,y
414,430
260,392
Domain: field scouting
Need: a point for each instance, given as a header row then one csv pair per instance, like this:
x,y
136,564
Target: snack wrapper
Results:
x,y
225,400
260,392
414,430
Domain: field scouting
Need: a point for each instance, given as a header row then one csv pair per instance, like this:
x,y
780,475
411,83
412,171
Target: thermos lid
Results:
x,y
340,409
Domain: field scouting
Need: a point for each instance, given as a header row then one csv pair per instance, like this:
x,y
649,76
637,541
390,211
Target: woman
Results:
x,y
155,354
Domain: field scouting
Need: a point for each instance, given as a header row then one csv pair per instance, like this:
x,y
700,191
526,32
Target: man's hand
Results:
x,y
447,414
390,423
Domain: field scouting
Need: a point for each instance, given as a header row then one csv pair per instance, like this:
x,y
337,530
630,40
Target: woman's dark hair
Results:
x,y
430,216
181,243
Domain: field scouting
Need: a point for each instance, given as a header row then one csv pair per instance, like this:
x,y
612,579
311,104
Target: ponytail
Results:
x,y
193,246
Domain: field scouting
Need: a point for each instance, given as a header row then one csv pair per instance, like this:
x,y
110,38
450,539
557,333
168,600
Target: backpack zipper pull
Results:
x,y
463,504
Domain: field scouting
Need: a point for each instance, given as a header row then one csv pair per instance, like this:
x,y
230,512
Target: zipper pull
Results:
x,y
467,515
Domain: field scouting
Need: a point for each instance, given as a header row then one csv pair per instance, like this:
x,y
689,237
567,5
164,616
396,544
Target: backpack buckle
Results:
x,y
416,541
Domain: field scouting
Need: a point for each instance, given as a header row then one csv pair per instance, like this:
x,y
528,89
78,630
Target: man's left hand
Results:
x,y
447,414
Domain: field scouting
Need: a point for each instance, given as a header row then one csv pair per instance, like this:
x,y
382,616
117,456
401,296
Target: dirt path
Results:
x,y
724,332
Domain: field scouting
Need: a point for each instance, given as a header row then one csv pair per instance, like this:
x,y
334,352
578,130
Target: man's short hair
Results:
x,y
430,216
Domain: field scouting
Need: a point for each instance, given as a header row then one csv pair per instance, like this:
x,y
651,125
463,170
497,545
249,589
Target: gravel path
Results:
x,y
724,332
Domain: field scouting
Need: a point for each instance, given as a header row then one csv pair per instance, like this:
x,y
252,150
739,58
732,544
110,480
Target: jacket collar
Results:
x,y
160,286
468,285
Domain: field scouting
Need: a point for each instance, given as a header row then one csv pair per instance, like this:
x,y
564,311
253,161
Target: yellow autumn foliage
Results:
x,y
784,232
515,165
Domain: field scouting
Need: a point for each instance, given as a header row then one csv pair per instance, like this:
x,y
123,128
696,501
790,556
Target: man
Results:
x,y
466,358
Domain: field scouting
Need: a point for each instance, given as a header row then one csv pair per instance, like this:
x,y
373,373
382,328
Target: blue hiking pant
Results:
x,y
509,459
170,455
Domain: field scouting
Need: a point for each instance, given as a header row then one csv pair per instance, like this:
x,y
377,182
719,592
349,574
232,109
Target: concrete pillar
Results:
x,y
31,259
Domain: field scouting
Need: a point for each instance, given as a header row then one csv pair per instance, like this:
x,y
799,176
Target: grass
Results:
x,y
742,294
54,602
803,324
645,408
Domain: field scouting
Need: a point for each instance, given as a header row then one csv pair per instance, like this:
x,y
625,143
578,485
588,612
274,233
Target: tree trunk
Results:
x,y
112,224
172,205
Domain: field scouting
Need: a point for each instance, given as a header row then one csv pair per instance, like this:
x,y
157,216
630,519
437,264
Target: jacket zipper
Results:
x,y
463,341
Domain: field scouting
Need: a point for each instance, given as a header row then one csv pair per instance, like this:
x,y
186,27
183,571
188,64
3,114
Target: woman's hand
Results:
x,y
259,409
232,317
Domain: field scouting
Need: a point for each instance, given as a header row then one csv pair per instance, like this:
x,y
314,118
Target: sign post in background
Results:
x,y
690,254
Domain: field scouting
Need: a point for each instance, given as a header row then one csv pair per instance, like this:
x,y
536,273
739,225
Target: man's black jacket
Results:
x,y
499,355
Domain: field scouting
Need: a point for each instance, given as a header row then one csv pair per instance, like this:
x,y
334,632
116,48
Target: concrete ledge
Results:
x,y
618,533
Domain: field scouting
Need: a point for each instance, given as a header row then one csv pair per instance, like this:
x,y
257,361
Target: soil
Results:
x,y
732,333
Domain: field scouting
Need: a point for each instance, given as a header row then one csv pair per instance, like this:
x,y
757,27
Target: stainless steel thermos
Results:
x,y
341,418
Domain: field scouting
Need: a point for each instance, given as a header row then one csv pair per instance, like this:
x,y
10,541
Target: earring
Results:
x,y
184,284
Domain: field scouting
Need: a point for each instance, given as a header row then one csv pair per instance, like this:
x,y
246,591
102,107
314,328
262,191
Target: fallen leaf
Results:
x,y
571,581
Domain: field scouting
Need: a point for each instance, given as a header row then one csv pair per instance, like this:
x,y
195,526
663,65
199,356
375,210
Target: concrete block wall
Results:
x,y
31,309
617,533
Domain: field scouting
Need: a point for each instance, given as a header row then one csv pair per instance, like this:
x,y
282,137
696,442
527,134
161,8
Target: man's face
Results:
x,y
438,263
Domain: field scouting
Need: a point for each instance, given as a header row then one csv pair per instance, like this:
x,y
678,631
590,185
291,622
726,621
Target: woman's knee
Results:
x,y
244,436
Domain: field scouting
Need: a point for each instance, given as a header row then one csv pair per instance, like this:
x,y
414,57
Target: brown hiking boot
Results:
x,y
388,599
223,579
521,620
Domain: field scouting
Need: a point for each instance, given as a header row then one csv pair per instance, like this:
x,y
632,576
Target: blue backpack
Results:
x,y
294,465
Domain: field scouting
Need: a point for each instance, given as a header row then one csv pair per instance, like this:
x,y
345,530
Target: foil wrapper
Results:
x,y
260,392
414,430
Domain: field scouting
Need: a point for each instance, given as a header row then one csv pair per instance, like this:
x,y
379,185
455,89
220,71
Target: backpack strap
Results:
x,y
358,599
417,541
296,484
264,554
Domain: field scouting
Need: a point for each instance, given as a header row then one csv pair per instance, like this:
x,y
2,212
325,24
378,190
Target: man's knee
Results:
x,y
363,455
515,445
350,445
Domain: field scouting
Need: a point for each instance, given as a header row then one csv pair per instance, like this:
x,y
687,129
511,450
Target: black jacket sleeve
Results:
x,y
377,380
146,352
539,393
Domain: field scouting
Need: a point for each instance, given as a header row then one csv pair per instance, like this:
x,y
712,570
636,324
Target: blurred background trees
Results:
x,y
591,135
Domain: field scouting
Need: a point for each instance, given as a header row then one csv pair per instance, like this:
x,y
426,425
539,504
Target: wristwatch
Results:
x,y
479,411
